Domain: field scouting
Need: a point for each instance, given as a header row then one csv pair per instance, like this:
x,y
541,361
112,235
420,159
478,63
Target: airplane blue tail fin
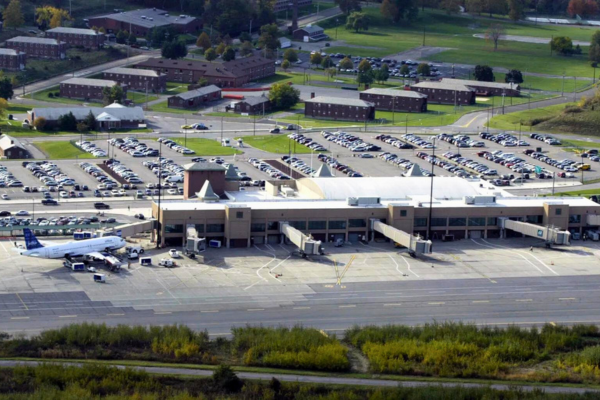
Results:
x,y
31,241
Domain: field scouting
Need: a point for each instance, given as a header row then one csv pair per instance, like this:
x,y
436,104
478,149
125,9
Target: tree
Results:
x,y
594,52
269,36
6,88
246,48
245,37
285,65
346,63
291,55
562,45
450,6
82,127
516,9
327,63
90,120
228,54
366,78
203,41
39,123
316,58
347,6
404,70
225,380
364,66
514,76
283,96
121,37
583,8
382,74
331,72
495,7
265,13
474,6
424,69
227,16
132,39
174,50
398,9
484,73
210,55
51,17
13,16
67,122
220,48
494,33
112,94
357,21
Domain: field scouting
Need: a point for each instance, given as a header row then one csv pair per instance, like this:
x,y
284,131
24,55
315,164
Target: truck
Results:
x,y
133,251
73,265
167,263
82,235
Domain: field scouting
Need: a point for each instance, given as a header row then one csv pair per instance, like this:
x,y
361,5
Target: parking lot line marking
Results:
x,y
392,304
19,318
348,306
436,303
523,300
480,301
209,311
162,312
22,302
469,123
115,315
566,298
67,316
301,308
256,309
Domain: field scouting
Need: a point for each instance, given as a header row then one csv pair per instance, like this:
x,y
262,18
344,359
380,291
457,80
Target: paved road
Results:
x,y
501,302
322,380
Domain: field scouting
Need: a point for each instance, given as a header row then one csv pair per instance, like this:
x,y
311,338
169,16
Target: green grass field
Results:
x,y
163,107
57,150
140,98
456,33
206,147
43,96
511,121
277,143
580,144
176,88
548,84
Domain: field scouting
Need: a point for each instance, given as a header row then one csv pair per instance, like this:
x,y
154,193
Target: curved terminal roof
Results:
x,y
386,188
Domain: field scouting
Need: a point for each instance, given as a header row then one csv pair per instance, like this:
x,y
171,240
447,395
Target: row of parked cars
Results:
x,y
133,147
460,140
7,179
445,165
394,142
505,139
173,145
517,165
104,181
123,171
49,174
546,139
298,165
335,164
10,220
90,148
565,165
465,162
268,169
349,141
168,170
417,141
306,141
399,162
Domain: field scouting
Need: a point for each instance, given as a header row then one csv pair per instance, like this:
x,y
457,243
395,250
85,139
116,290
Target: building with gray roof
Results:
x,y
253,105
13,60
395,100
488,88
138,79
339,108
86,88
114,116
195,98
12,148
451,92
87,38
310,33
36,47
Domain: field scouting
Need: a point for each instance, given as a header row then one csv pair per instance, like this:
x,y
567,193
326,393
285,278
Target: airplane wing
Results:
x,y
95,254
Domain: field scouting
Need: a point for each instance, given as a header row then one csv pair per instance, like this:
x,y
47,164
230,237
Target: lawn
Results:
x,y
176,88
57,150
206,147
140,98
315,79
163,107
308,9
44,96
548,84
456,33
17,108
278,144
580,144
511,121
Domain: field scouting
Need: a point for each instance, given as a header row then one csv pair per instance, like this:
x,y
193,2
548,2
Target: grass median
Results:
x,y
206,147
276,143
62,149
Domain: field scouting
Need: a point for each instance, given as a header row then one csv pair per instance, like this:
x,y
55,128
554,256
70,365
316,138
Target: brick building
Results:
x,y
36,47
395,100
233,73
314,33
11,148
488,88
138,79
85,88
13,60
446,93
253,105
141,21
77,37
195,98
338,108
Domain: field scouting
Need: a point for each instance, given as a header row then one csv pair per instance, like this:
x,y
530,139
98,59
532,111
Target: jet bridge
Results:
x,y
551,235
306,244
414,244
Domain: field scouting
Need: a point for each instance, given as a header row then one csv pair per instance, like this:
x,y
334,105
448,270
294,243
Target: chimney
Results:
x,y
312,95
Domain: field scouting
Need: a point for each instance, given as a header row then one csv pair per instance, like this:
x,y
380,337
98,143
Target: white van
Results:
x,y
225,142
174,179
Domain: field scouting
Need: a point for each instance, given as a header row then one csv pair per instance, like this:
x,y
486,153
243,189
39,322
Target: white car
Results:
x,y
174,253
22,213
172,191
64,195
167,262
4,197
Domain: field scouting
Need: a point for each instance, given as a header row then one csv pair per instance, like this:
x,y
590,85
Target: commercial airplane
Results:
x,y
89,247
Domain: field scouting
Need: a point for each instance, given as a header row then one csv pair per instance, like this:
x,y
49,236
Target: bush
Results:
x,y
40,123
224,379
51,95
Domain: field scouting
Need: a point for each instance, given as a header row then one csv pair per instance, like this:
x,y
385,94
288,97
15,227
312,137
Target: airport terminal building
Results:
x,y
333,208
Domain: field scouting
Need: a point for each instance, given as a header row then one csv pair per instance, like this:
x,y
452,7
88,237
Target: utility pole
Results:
x,y
563,85
424,37
431,194
158,236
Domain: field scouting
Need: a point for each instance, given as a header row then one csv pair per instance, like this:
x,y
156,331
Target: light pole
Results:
x,y
594,66
337,21
431,194
158,236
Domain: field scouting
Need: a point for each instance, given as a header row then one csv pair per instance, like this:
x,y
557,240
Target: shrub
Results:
x,y
51,95
40,123
226,380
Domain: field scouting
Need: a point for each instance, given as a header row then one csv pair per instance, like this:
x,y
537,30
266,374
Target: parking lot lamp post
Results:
x,y
594,66
431,193
393,109
582,167
158,238
337,21
221,130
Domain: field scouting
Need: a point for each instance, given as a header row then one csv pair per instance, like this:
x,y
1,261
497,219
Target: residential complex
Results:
x,y
138,79
36,47
339,108
13,60
455,92
141,21
195,98
395,100
86,89
75,37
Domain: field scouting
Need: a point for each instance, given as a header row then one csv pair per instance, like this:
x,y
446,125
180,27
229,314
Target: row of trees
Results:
x,y
46,17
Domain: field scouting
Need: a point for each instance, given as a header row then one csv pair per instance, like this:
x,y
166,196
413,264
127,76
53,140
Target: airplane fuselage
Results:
x,y
76,249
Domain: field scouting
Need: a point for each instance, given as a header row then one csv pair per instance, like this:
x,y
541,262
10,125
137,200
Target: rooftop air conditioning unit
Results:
x,y
287,191
469,200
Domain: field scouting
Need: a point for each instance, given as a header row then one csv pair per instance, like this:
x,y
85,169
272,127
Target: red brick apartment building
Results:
x,y
13,60
85,88
446,93
36,47
77,37
395,100
138,79
338,108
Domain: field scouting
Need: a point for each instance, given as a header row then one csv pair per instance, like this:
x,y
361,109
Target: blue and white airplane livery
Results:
x,y
89,247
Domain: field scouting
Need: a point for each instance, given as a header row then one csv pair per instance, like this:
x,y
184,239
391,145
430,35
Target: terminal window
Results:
x,y
439,222
420,221
337,224
199,228
492,221
173,228
300,225
239,214
357,223
215,228
558,211
403,213
574,219
273,225
258,227
476,221
317,225
457,221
